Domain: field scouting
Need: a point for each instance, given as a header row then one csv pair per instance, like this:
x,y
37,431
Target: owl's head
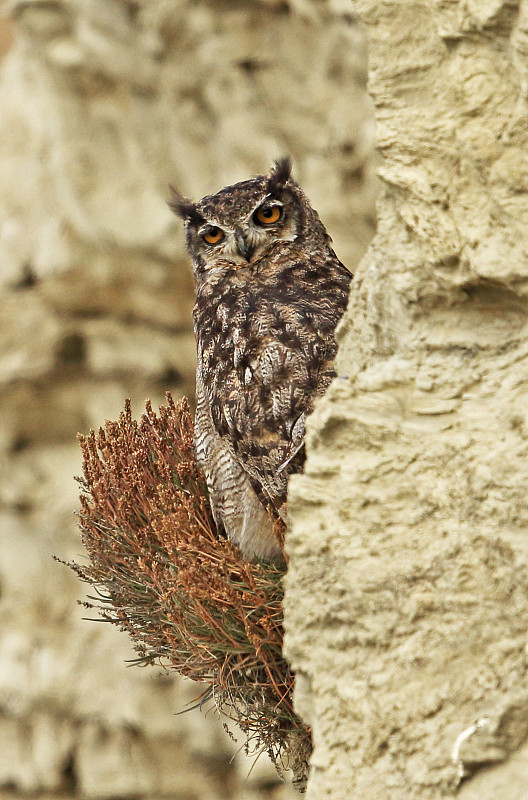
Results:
x,y
241,223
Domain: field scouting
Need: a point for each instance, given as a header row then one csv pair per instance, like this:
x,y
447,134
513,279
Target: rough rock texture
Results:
x,y
102,104
407,596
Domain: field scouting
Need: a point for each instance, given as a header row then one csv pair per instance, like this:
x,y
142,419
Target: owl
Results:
x,y
269,293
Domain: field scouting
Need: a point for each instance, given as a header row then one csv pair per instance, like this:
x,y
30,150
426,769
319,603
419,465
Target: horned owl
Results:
x,y
270,292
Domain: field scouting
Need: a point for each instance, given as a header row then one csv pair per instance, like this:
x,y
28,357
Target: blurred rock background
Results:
x,y
102,104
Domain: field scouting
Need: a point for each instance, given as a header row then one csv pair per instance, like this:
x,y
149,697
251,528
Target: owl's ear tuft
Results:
x,y
279,173
184,208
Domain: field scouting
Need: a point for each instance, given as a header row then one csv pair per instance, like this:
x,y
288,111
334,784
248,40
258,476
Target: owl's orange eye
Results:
x,y
267,215
213,235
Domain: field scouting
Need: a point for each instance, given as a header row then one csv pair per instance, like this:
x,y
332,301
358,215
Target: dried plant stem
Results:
x,y
186,597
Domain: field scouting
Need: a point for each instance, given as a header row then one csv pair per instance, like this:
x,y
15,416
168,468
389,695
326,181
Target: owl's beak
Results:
x,y
244,247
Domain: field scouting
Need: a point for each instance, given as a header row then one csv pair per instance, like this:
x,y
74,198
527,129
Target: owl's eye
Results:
x,y
267,215
213,235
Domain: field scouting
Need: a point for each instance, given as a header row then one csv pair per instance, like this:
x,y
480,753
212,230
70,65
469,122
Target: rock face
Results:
x,y
103,103
407,592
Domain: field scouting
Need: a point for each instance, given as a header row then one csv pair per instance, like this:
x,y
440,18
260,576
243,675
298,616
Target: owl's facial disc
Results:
x,y
222,241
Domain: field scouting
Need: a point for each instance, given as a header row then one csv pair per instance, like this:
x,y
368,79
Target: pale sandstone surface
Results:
x,y
407,595
102,104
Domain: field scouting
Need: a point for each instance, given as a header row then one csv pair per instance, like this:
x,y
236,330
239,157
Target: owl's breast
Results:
x,y
265,339
259,373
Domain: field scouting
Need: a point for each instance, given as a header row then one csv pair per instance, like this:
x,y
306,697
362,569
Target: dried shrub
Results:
x,y
184,594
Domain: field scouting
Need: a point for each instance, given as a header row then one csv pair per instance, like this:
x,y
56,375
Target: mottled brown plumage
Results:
x,y
270,292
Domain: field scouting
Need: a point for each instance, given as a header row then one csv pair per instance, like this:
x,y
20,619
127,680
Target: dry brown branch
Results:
x,y
184,594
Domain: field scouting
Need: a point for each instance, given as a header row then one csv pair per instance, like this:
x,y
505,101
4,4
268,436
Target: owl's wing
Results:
x,y
235,505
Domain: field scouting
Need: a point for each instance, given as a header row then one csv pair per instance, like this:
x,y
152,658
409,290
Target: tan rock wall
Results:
x,y
102,104
407,593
